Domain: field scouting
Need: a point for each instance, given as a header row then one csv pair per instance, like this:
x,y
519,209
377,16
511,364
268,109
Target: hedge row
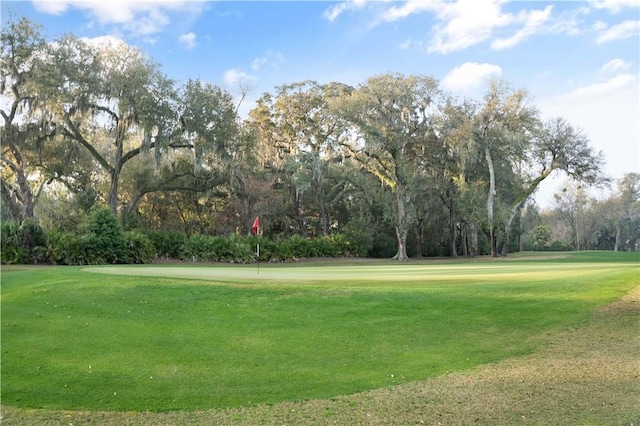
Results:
x,y
239,249
101,240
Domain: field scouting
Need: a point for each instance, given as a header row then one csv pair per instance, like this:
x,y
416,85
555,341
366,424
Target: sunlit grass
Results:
x,y
167,338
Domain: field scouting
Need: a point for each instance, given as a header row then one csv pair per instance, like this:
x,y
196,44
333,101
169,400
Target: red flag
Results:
x,y
255,228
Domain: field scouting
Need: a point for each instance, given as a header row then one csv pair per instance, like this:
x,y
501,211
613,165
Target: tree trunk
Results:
x,y
25,193
473,233
419,237
113,190
464,241
324,214
401,235
616,247
452,230
490,201
402,224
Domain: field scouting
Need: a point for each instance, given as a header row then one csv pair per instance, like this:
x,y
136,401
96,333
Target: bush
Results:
x,y
64,248
102,237
359,234
384,245
218,249
22,243
168,244
140,249
324,247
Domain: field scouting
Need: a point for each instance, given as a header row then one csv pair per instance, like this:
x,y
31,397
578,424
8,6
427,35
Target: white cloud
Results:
x,y
604,88
189,40
409,8
614,65
272,58
466,23
614,6
622,30
51,7
463,80
139,17
333,12
233,78
533,20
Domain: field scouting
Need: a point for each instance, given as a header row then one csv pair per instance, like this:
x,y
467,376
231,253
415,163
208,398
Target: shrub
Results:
x,y
218,249
360,236
64,248
102,237
22,242
140,249
324,247
168,244
346,246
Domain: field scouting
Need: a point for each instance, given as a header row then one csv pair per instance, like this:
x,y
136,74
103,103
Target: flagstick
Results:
x,y
258,253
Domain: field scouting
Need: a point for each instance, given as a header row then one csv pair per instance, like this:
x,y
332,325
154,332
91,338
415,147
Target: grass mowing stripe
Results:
x,y
77,340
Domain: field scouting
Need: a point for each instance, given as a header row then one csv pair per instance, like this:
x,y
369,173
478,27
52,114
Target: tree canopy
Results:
x,y
396,158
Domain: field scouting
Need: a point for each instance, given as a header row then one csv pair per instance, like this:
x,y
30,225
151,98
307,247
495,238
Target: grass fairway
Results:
x,y
160,338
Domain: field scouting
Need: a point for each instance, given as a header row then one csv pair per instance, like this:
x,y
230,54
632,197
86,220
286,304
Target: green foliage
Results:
x,y
295,246
102,237
168,244
64,248
140,249
205,248
360,237
540,238
23,242
384,246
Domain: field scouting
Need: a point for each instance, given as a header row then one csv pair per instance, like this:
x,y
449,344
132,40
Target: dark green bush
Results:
x,y
557,245
168,244
140,249
64,248
324,247
384,245
218,249
360,236
22,243
102,237
295,246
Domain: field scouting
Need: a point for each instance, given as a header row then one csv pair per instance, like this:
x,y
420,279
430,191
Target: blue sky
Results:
x,y
577,59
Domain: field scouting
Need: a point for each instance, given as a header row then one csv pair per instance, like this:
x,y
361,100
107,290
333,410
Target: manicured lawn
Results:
x,y
189,337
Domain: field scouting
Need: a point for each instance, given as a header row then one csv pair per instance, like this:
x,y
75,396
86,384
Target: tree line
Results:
x,y
397,164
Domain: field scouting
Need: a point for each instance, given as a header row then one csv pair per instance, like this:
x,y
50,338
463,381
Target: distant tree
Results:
x,y
626,211
393,117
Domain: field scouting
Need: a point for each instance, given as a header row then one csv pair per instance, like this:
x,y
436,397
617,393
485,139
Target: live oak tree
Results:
x,y
25,124
557,145
114,91
392,116
502,132
304,120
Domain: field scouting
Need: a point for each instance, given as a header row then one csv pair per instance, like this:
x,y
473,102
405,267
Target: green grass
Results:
x,y
135,338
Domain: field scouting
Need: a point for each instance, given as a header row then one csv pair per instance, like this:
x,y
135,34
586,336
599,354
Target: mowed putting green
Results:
x,y
371,275
136,338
